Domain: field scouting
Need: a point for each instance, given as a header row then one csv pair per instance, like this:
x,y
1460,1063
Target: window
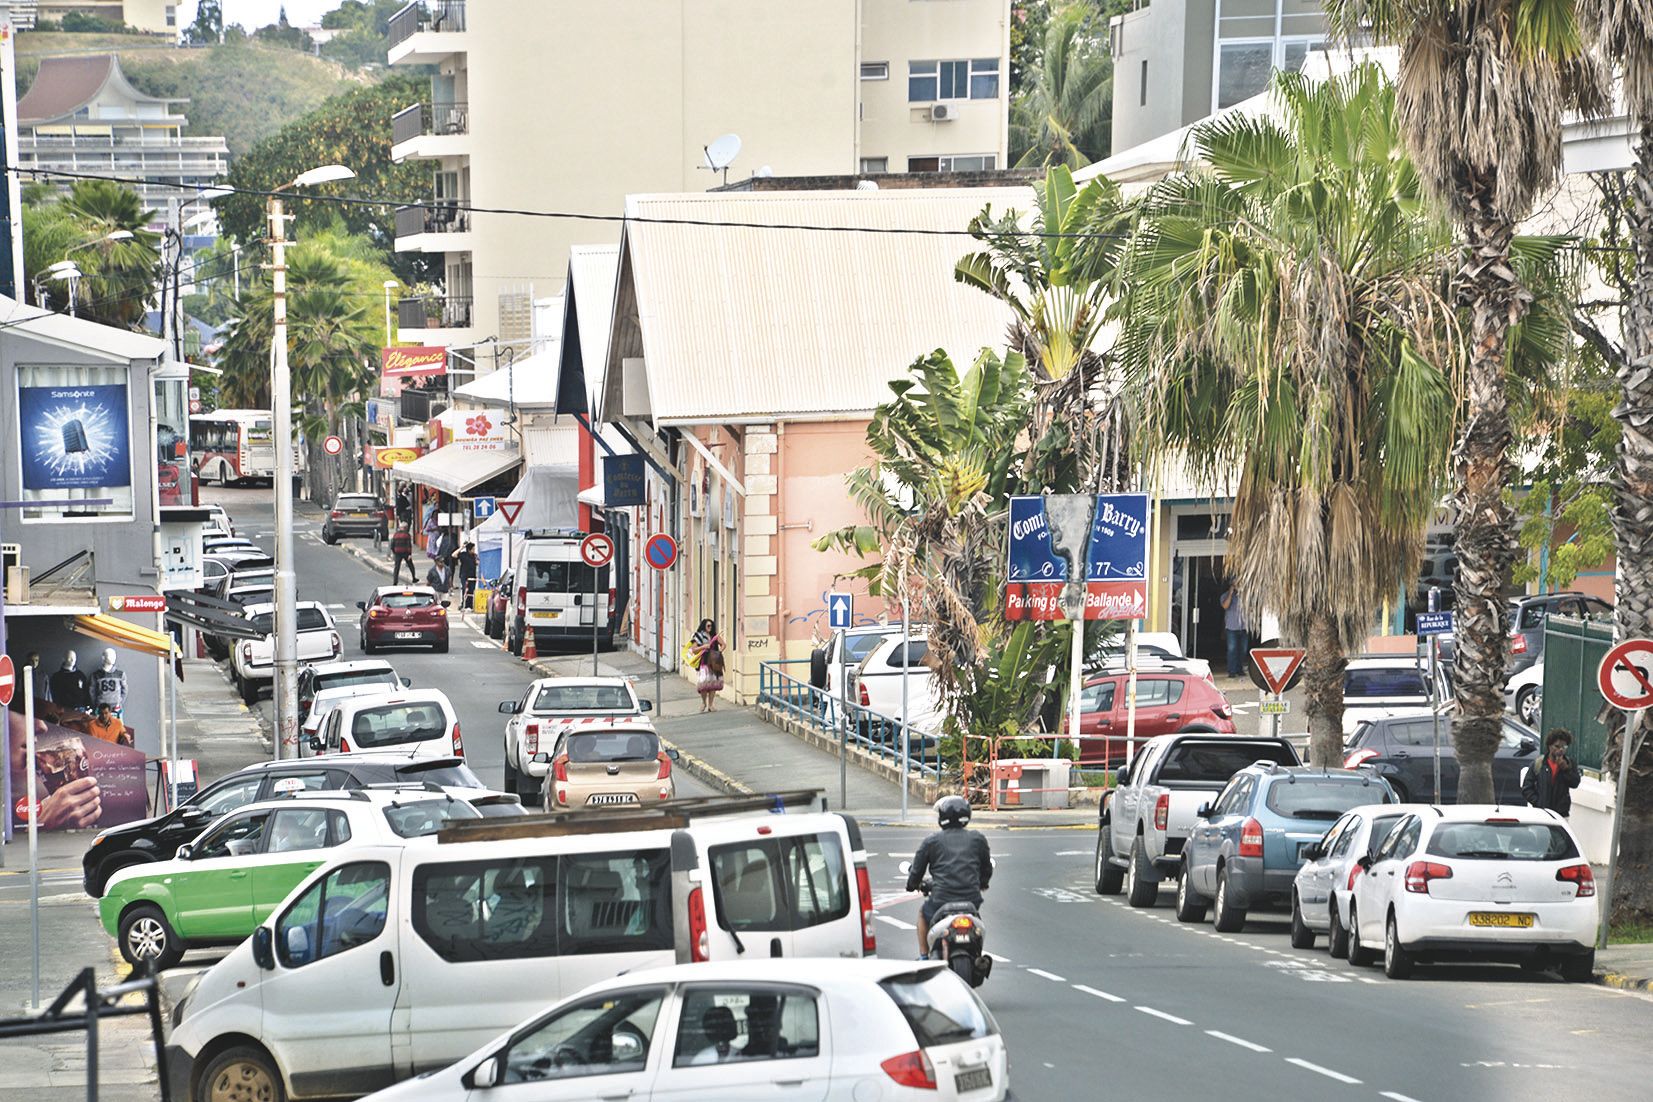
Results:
x,y
615,902
984,162
487,910
74,429
596,747
582,698
352,678
1243,71
816,879
223,798
1157,692
1306,797
408,600
875,70
1384,681
780,883
1206,762
1503,842
555,576
721,1025
344,909
1097,698
603,1035
872,166
309,619
1142,98
391,724
928,81
1345,836
238,837
1406,840
940,1010
424,817
913,657
1381,826
304,828
1420,732
1532,616
1386,848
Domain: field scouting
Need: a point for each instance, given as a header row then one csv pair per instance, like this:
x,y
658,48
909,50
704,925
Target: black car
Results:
x,y
1401,749
158,839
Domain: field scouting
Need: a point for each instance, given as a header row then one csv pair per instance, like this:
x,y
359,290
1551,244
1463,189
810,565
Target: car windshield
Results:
x,y
558,576
1321,797
582,698
389,724
309,619
247,597
1213,762
1511,841
940,1009
346,679
447,773
362,502
1383,681
427,816
607,746
858,647
408,600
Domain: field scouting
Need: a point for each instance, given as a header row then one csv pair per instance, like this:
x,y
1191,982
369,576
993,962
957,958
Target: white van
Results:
x,y
558,597
391,961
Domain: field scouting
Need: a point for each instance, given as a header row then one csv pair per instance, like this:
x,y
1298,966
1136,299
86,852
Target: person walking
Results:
x,y
706,645
401,549
1234,627
1550,783
462,563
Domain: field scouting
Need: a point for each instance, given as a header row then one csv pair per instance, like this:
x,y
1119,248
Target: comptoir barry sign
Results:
x,y
1065,548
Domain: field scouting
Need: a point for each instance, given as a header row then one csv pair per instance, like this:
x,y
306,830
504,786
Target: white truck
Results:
x,y
252,661
1147,816
549,707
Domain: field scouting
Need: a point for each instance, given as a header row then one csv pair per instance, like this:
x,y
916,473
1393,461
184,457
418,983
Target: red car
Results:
x,y
404,616
1167,703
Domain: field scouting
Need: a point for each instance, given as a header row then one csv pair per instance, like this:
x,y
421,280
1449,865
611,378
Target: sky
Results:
x,y
253,14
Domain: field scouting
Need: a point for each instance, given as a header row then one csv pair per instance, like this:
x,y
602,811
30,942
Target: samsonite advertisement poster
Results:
x,y
74,437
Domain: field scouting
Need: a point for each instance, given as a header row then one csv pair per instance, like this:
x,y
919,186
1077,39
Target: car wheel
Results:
x,y
1226,917
1337,938
1579,969
1109,877
1190,907
1141,886
1301,936
329,538
516,641
1397,962
240,1074
1359,955
247,689
367,644
441,648
1529,705
512,777
147,939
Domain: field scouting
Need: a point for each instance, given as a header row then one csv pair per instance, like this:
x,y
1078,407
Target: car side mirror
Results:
x,y
484,1075
1122,775
1313,852
671,752
542,758
362,605
510,707
185,852
407,682
1204,812
1364,861
445,604
263,948
316,745
193,813
645,705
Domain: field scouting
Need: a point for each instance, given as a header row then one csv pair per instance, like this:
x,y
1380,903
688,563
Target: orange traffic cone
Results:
x,y
530,652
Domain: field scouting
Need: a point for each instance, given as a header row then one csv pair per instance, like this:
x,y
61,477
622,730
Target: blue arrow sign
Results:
x,y
482,508
840,610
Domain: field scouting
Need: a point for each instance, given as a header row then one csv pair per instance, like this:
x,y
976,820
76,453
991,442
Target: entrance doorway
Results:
x,y
1197,585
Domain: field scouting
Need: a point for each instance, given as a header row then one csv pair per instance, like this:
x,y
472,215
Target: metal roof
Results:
x,y
592,271
757,323
63,84
93,337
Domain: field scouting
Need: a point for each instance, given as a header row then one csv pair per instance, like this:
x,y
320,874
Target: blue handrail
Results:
x,y
876,733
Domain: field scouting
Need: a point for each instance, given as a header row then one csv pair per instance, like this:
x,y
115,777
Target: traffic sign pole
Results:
x,y
1633,695
1629,747
34,827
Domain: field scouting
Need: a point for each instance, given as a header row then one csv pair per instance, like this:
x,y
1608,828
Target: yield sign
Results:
x,y
509,510
1626,675
8,679
1276,665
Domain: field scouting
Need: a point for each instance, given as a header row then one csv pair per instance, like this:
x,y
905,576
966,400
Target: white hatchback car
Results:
x,y
1320,895
1376,686
420,723
795,1028
1481,883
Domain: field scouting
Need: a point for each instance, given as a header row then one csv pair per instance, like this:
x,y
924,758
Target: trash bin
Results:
x,y
1038,783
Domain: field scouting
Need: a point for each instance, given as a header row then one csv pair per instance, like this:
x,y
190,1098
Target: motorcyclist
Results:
x,y
957,860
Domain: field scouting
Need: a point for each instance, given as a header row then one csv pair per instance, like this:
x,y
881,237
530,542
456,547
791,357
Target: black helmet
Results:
x,y
953,812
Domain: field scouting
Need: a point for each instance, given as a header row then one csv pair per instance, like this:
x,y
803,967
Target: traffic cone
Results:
x,y
530,652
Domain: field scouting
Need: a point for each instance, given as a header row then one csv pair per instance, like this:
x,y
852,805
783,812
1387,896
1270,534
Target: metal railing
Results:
x,y
96,1005
440,217
427,15
873,732
84,141
434,312
435,118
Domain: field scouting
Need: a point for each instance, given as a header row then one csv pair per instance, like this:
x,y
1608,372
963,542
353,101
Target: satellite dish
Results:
x,y
722,151
765,172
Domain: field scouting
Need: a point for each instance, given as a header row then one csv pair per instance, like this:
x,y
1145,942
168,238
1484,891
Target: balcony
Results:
x,y
427,32
441,227
429,132
435,319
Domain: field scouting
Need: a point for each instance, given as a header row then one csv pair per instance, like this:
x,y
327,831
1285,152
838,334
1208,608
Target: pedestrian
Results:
x,y
401,549
108,727
1234,626
404,506
1550,782
463,563
706,645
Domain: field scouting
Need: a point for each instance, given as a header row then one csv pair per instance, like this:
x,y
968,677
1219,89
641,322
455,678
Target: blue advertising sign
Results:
x,y
74,437
622,480
1044,532
482,508
840,610
1434,623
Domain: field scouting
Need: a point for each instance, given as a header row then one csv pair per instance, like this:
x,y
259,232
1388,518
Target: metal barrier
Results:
x,y
874,732
1573,650
108,1003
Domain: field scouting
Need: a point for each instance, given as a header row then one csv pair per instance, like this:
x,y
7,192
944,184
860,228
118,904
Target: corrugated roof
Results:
x,y
758,323
592,271
66,83
70,332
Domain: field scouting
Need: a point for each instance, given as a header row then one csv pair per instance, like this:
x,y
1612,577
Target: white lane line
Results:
x,y
1233,1040
484,645
1099,994
1396,1096
1367,979
1048,975
896,922
1318,1070
999,959
1172,1018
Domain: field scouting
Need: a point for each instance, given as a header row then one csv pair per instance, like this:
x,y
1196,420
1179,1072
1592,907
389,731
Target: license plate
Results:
x,y
973,1079
545,615
602,798
409,634
360,516
1500,918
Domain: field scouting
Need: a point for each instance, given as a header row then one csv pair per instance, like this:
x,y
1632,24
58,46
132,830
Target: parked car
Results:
x,y
252,661
499,607
240,591
356,515
1524,694
1153,648
1320,894
1144,820
546,710
402,616
212,545
1488,883
876,683
244,558
710,1032
1379,685
1245,849
1167,702
220,520
607,763
558,597
842,651
362,673
1401,749
396,960
420,722
1526,618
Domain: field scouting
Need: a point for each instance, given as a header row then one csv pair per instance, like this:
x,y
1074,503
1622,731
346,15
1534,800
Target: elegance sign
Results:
x,y
414,361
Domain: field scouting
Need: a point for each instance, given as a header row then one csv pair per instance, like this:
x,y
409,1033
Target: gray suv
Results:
x,y
356,515
1527,616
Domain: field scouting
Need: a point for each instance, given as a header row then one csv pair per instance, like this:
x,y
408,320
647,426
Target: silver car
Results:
x,y
1320,894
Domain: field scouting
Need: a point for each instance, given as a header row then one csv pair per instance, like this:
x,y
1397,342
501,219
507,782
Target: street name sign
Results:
x,y
1434,623
1626,675
1276,668
840,610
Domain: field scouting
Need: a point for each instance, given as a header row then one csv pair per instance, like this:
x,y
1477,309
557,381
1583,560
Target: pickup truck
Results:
x,y
1147,816
547,710
252,661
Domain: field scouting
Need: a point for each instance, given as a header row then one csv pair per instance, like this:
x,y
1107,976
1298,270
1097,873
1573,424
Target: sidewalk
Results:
x,y
1625,967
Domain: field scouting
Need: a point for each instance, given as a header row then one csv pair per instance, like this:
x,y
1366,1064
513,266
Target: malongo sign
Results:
x,y
414,361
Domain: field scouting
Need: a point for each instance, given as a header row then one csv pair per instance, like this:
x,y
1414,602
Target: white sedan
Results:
x,y
1524,695
1320,895
794,1028
1477,883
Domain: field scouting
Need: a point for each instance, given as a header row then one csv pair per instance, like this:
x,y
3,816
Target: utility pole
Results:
x,y
281,417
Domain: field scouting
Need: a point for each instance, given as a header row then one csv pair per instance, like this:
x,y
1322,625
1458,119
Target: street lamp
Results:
x,y
67,270
281,418
390,285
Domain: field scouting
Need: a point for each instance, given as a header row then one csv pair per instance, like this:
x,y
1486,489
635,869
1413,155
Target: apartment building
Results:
x,y
1177,61
158,17
571,106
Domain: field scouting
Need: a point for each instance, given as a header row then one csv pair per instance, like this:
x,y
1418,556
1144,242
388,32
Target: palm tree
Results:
x,y
1285,319
1480,92
1063,115
121,274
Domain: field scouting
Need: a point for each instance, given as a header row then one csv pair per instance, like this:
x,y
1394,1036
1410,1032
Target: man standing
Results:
x,y
1550,782
464,565
401,550
1234,626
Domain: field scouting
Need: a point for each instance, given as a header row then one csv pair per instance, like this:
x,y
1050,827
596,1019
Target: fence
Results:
x,y
873,732
96,1005
1573,650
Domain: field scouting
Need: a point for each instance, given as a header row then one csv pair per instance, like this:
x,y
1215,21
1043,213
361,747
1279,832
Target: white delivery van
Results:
x,y
558,597
391,961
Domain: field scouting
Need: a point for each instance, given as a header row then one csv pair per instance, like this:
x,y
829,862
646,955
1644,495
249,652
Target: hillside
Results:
x,y
244,91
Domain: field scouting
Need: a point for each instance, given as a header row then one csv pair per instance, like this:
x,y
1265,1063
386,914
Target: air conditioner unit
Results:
x,y
943,112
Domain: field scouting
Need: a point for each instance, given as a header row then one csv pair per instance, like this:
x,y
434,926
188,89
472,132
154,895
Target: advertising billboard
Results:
x,y
74,437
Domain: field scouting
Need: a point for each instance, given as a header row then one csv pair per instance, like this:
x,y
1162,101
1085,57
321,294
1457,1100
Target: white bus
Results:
x,y
232,445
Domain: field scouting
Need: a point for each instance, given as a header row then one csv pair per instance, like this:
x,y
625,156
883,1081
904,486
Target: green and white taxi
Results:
x,y
221,886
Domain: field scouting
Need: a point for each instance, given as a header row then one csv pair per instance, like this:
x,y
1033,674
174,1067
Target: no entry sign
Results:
x,y
8,679
332,445
1626,675
597,550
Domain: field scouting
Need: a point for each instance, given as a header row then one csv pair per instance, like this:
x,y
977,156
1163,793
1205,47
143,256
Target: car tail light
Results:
x,y
1224,709
1354,871
613,596
1581,876
1518,644
665,766
911,1069
338,644
246,652
863,885
1420,873
374,612
344,745
700,941
458,742
861,695
522,600
531,738
440,611
336,514
559,768
1359,757
1162,810
1251,838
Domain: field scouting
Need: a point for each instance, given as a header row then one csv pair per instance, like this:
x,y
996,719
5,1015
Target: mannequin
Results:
x,y
70,688
109,683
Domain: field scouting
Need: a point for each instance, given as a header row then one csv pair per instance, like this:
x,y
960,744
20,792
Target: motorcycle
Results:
x,y
956,936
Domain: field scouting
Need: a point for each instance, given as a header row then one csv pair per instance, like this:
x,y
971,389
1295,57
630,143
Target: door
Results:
x,y
1125,804
741,1041
1377,886
1159,709
212,893
328,1001
297,844
1198,582
1315,880
1412,749
1096,722
608,1046
816,871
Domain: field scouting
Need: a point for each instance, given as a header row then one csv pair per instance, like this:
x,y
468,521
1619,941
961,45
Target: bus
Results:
x,y
232,445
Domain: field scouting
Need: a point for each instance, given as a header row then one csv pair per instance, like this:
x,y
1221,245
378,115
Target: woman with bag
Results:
x,y
706,653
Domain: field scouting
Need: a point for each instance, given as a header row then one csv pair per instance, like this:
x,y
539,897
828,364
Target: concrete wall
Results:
x,y
1165,36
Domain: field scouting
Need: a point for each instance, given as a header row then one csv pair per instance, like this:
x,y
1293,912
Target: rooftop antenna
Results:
x,y
723,150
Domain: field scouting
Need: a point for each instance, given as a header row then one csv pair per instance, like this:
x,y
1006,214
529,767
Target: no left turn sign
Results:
x,y
1626,675
597,550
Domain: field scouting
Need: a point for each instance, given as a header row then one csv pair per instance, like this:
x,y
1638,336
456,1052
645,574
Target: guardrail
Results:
x,y
873,732
95,1005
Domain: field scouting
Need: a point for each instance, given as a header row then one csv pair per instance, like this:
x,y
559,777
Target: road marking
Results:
x,y
1068,853
1233,1040
1318,1070
1367,979
999,959
1172,1018
896,922
1048,975
1396,1096
1098,994
483,645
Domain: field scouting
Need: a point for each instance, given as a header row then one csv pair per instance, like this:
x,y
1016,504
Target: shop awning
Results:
x,y
121,633
455,470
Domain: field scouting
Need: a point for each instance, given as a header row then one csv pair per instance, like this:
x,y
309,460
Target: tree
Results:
x,y
208,27
1063,112
1284,319
1480,91
120,276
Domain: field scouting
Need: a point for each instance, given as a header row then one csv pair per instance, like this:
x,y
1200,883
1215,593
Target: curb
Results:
x,y
1621,982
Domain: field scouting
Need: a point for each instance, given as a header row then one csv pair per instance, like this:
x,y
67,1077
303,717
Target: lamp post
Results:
x,y
67,271
390,285
281,418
